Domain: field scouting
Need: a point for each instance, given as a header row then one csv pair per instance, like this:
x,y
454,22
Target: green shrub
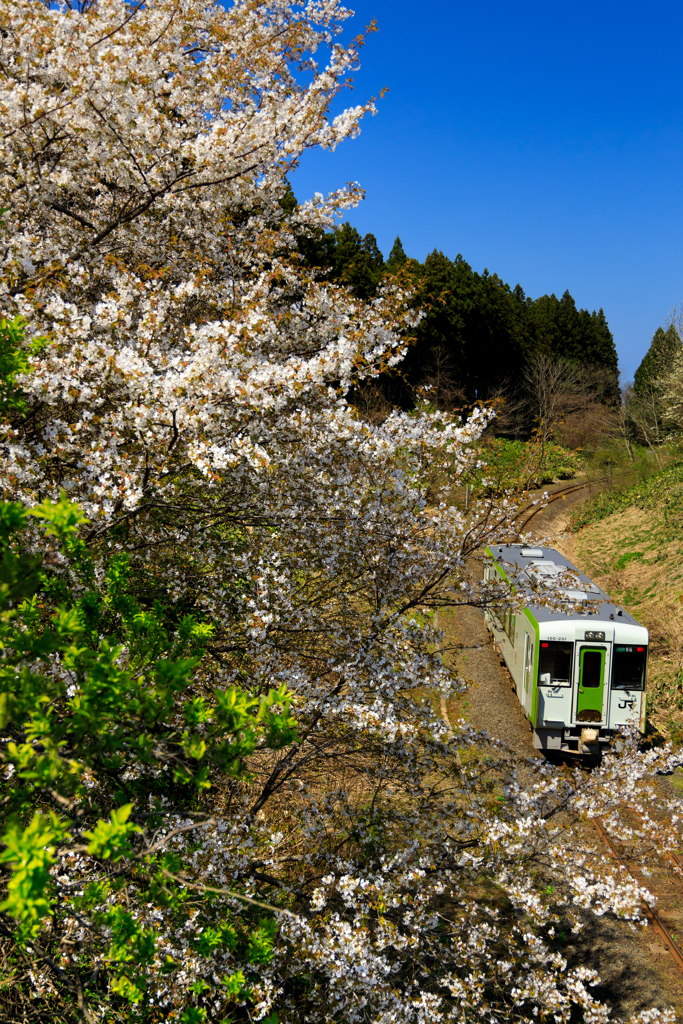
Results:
x,y
526,463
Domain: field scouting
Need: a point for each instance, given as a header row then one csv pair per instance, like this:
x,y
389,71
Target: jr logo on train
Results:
x,y
579,674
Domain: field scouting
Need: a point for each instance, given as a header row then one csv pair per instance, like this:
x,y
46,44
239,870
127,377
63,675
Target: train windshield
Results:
x,y
628,667
555,663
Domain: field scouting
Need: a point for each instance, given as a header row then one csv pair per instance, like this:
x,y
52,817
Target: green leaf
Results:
x,y
63,517
193,1015
111,839
261,941
13,362
127,988
194,746
31,853
130,942
235,984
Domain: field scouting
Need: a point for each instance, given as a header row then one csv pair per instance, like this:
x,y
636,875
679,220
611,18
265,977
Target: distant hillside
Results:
x,y
481,331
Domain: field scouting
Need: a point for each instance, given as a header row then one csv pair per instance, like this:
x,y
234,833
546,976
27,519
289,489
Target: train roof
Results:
x,y
550,568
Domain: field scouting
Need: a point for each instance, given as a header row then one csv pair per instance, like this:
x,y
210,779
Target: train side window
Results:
x,y
505,620
628,667
555,663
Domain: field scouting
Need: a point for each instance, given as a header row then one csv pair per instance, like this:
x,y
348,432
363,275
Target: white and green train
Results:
x,y
580,677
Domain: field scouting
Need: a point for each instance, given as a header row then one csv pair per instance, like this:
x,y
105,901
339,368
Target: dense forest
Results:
x,y
477,333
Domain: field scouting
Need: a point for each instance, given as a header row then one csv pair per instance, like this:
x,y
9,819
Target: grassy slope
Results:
x,y
631,543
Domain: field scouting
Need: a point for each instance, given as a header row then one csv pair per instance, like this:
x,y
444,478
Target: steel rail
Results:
x,y
652,915
673,857
555,496
523,526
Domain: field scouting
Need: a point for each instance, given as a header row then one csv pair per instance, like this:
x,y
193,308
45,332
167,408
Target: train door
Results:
x,y
528,684
591,683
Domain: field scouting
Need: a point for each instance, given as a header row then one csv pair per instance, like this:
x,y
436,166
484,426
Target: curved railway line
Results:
x,y
534,509
669,903
555,496
653,915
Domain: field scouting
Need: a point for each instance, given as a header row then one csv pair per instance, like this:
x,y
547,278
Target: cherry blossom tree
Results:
x,y
251,807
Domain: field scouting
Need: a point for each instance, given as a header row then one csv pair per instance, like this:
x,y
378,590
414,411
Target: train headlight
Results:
x,y
592,634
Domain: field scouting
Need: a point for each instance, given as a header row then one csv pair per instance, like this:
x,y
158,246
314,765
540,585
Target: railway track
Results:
x,y
533,510
669,904
653,915
555,496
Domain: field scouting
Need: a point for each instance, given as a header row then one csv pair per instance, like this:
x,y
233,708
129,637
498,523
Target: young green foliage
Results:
x,y
98,705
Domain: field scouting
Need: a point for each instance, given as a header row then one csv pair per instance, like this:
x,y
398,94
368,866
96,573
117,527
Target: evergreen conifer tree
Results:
x,y
288,201
658,359
358,261
485,329
372,253
397,256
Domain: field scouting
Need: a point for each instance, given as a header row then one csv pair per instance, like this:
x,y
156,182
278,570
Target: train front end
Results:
x,y
578,660
590,683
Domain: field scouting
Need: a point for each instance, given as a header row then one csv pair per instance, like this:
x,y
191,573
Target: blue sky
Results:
x,y
544,142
